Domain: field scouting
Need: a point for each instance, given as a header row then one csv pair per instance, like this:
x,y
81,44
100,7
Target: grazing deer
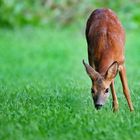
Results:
x,y
106,39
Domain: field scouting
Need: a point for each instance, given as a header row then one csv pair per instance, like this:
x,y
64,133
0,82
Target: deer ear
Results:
x,y
112,71
90,71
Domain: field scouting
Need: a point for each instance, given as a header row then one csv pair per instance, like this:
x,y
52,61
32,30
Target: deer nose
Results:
x,y
98,106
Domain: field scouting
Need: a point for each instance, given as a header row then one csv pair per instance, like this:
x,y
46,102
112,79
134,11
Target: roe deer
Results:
x,y
106,39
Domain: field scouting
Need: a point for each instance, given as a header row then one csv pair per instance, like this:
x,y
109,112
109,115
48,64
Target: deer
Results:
x,y
105,38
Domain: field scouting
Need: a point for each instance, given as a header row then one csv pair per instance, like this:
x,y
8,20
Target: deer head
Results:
x,y
101,84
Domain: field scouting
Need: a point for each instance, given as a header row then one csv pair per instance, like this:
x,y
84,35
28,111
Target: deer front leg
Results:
x,y
90,57
114,97
123,78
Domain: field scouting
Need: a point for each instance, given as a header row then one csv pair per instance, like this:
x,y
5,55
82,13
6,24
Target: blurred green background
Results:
x,y
44,89
19,13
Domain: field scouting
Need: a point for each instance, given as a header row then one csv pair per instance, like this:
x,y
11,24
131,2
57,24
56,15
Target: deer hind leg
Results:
x,y
123,78
114,97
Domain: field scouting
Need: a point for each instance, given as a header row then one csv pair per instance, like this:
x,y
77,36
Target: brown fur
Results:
x,y
106,39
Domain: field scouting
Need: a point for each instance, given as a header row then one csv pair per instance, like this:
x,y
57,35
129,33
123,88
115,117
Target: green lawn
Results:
x,y
45,92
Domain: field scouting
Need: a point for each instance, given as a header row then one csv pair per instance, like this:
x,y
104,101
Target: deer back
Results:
x,y
105,38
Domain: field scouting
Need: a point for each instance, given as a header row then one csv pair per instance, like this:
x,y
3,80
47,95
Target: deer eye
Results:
x,y
106,91
92,90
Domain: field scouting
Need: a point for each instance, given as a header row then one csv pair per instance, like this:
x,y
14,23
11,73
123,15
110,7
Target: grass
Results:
x,y
45,92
